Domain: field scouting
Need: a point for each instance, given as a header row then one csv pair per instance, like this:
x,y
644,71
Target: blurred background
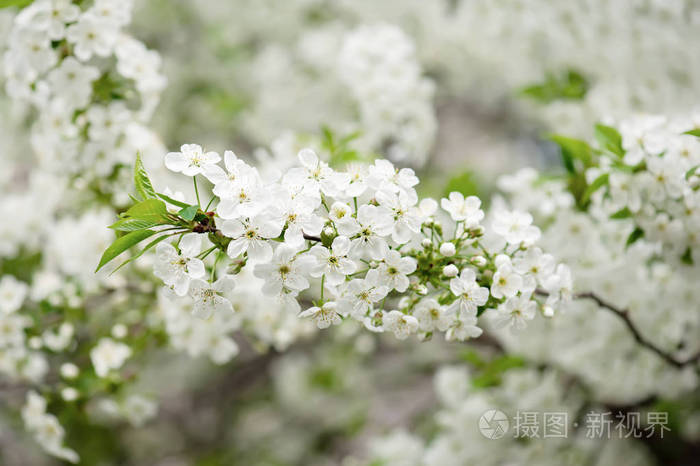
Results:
x,y
463,91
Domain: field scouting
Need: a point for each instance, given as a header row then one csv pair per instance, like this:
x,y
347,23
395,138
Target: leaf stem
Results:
x,y
213,268
323,281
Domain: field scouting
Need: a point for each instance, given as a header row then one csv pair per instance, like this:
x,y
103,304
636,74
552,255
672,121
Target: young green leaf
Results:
x,y
17,3
622,213
133,224
694,132
636,235
687,257
598,183
609,139
140,253
141,180
123,243
569,85
153,210
172,201
189,212
573,149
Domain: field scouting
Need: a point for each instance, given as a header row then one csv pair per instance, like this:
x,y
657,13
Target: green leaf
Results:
x,y
569,85
133,224
153,210
687,257
694,132
140,253
636,235
17,3
573,149
172,201
189,212
609,139
122,244
598,183
622,213
691,172
141,181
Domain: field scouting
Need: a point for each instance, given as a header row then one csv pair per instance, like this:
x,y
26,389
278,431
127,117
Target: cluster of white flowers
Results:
x,y
475,51
379,66
357,237
299,77
653,180
646,277
46,428
89,89
91,108
459,439
485,51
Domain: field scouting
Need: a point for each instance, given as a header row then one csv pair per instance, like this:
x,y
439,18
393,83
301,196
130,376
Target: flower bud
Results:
x,y
448,249
119,331
426,243
548,311
69,370
35,343
69,394
479,261
328,231
422,290
450,271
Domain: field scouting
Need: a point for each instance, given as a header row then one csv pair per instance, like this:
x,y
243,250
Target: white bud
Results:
x,y
548,311
69,370
119,331
479,261
450,271
69,394
328,231
55,300
448,249
35,343
422,290
426,243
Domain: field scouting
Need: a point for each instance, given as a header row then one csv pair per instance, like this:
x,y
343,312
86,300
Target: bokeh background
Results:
x,y
463,91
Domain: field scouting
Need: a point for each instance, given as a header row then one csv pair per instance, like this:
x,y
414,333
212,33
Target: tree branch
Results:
x,y
623,314
312,238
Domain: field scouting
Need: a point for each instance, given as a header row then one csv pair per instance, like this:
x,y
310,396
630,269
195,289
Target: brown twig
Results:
x,y
624,315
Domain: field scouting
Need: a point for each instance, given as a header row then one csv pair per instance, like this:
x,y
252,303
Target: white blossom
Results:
x,y
108,355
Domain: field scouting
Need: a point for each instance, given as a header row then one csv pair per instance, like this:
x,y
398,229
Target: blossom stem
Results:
x,y
216,262
208,251
206,209
196,191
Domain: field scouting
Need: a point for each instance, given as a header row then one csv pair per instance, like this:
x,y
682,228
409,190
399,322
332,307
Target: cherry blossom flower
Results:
x,y
191,160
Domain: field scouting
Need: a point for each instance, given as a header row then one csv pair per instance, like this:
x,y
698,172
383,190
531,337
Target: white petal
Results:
x,y
191,244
